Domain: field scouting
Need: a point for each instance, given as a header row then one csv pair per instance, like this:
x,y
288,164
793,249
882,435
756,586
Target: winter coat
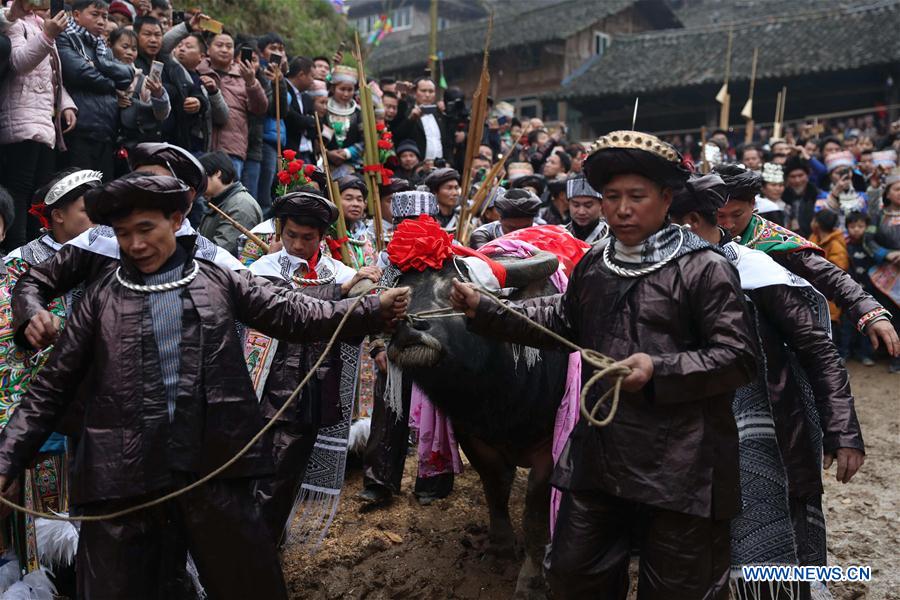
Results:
x,y
238,203
32,97
194,132
127,445
92,80
142,121
242,100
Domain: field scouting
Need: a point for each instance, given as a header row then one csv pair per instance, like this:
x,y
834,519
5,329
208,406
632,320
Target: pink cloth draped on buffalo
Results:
x,y
567,414
438,451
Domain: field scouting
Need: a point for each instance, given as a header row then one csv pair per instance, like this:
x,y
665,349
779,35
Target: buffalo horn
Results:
x,y
522,272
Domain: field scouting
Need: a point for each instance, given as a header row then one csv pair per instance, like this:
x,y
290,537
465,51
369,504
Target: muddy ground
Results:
x,y
409,551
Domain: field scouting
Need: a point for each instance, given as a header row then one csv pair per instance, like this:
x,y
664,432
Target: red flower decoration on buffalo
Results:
x,y
284,177
294,166
419,244
289,154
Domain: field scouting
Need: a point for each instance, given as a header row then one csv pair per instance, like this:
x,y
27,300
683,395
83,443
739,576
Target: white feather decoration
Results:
x,y
57,542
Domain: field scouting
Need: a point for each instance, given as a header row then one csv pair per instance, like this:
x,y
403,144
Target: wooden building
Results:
x,y
533,50
832,56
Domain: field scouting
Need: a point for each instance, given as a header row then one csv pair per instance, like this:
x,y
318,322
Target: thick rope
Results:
x,y
212,474
605,366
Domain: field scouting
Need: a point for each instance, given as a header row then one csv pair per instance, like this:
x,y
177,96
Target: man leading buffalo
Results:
x,y
663,475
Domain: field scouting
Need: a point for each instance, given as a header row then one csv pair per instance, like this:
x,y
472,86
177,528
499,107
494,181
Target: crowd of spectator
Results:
x,y
80,87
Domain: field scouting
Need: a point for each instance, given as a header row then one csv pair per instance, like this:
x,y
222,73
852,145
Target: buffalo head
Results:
x,y
424,343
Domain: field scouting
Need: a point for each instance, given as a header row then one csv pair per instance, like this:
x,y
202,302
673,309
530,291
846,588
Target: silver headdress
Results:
x,y
70,182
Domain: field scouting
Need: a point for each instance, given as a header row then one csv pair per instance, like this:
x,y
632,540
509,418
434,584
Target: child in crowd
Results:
x,y
827,235
145,104
852,342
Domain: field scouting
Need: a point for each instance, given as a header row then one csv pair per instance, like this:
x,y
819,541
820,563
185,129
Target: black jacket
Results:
x,y
803,207
300,119
92,82
411,129
789,337
180,86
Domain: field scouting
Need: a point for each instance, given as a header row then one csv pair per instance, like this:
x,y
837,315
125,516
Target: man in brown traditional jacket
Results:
x,y
663,475
305,217
169,400
798,411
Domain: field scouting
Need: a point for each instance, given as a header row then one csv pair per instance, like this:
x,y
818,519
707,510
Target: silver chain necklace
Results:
x,y
159,287
623,272
314,280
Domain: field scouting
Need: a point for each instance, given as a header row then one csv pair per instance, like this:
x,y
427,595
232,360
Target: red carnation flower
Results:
x,y
308,170
289,154
387,135
284,177
419,244
294,166
384,145
379,126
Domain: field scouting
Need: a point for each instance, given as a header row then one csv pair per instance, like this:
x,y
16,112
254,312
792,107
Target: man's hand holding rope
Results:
x,y
465,298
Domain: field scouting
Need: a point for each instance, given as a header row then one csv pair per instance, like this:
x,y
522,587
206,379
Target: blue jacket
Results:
x,y
92,82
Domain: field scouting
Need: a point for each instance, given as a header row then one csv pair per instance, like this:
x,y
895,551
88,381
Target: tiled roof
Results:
x,y
837,38
551,20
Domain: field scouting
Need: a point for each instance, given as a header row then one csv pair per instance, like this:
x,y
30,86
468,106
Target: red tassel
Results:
x,y
39,211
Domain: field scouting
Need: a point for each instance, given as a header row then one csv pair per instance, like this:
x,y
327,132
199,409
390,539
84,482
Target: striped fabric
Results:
x,y
166,310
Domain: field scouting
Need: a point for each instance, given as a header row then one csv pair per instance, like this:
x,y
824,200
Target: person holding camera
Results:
x,y
426,125
842,198
244,95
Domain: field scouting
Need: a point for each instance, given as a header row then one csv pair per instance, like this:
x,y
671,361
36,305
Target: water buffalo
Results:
x,y
501,398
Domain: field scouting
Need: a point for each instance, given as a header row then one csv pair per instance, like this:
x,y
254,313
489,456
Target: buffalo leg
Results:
x,y
536,526
497,476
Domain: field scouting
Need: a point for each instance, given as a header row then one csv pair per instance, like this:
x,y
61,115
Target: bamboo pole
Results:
x,y
776,124
783,104
370,151
335,193
481,195
278,114
250,235
476,125
432,38
277,139
726,104
748,134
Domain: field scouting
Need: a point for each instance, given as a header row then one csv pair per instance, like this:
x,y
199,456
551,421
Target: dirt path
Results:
x,y
408,551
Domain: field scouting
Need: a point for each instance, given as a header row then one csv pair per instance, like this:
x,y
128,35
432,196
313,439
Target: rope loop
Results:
x,y
606,367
